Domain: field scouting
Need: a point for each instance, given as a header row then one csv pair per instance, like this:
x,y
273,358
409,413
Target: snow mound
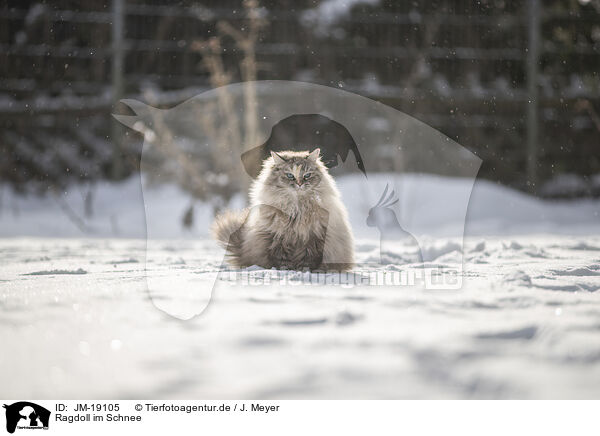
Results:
x,y
119,210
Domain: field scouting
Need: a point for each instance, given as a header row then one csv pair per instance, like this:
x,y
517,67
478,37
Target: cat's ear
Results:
x,y
277,158
314,155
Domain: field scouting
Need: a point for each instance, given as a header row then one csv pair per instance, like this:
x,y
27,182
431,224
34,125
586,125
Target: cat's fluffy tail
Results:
x,y
228,230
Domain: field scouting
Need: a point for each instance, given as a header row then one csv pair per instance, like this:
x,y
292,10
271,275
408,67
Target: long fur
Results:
x,y
228,230
289,226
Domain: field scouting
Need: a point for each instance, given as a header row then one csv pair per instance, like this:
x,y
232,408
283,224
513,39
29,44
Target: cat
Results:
x,y
296,219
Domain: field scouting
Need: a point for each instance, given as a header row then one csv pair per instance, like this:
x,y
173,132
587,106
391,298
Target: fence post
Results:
x,y
117,81
533,55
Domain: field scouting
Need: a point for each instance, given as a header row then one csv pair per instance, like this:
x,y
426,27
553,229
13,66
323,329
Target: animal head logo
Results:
x,y
392,235
382,215
24,414
306,132
213,145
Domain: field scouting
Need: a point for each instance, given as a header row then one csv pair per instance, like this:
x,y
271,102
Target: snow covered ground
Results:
x,y
77,320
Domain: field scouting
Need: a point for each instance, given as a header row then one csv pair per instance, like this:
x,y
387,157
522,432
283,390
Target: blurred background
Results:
x,y
87,235
515,82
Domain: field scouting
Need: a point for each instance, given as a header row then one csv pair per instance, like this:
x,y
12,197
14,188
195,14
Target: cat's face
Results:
x,y
296,171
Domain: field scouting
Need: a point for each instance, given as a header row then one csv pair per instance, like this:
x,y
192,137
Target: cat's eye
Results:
x,y
307,176
289,176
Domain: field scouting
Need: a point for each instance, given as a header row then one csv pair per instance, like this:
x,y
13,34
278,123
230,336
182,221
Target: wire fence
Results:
x,y
515,82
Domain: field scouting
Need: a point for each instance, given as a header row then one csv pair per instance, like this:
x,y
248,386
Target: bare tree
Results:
x,y
220,119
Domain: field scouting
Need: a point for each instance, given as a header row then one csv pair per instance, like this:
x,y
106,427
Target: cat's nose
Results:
x,y
299,182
